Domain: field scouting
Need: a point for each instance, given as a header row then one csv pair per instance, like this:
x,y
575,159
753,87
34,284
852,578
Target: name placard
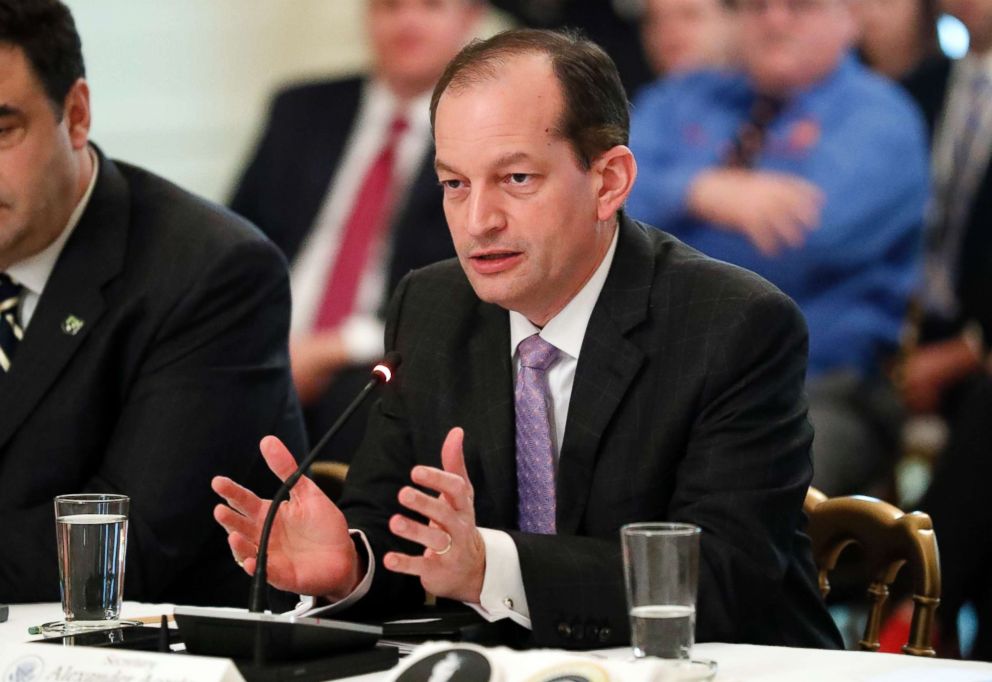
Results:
x,y
53,663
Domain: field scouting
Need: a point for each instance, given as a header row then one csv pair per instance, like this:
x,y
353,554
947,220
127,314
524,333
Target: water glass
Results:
x,y
91,531
661,569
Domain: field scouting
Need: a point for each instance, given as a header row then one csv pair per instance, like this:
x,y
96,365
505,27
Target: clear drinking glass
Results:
x,y
661,569
91,531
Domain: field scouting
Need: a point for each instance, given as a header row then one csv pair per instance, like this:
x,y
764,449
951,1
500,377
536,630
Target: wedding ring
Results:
x,y
446,549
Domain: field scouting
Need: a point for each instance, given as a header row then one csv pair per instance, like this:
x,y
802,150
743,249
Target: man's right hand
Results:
x,y
773,210
310,549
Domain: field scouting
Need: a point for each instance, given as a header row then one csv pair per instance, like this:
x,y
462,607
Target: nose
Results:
x,y
485,215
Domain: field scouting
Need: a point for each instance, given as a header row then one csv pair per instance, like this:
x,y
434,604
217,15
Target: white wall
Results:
x,y
181,86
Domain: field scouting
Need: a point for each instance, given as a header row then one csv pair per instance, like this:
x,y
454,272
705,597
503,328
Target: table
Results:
x,y
738,662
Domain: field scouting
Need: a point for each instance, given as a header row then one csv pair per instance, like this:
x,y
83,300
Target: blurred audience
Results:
x,y
949,370
685,35
612,24
343,182
897,36
811,171
899,40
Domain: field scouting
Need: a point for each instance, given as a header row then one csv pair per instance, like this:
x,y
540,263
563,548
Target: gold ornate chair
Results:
x,y
329,476
889,539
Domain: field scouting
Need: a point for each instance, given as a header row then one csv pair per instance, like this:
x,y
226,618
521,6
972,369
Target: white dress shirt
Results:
x,y
503,594
362,331
33,272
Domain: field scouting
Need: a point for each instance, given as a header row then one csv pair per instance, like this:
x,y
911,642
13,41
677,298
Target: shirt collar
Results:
x,y
382,105
33,272
566,330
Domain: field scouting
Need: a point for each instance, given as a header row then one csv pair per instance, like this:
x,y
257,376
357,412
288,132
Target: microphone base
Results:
x,y
265,638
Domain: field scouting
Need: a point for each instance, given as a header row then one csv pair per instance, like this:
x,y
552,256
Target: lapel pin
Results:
x,y
72,325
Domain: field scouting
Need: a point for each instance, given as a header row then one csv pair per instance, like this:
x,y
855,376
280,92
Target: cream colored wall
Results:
x,y
181,86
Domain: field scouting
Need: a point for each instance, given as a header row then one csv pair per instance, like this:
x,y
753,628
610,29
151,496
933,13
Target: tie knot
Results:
x,y
8,288
398,126
536,353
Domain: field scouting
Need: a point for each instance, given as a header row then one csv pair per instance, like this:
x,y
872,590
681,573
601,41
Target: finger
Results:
x,y
244,552
233,522
452,453
404,563
282,463
237,496
278,457
431,537
786,230
457,491
434,508
761,236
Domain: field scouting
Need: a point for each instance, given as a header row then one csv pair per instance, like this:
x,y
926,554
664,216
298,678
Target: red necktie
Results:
x,y
367,220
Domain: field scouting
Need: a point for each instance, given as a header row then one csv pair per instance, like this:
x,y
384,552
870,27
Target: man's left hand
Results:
x,y
453,564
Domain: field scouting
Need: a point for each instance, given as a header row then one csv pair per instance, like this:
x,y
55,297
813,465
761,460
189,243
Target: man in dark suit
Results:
x,y
143,336
312,186
949,372
573,371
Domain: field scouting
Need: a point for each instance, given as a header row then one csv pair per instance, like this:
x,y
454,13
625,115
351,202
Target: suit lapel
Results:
x,y
71,303
608,363
493,431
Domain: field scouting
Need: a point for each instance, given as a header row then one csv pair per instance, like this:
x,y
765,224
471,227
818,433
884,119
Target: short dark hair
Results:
x,y
45,31
595,115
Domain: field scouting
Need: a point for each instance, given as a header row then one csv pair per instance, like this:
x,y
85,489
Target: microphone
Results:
x,y
267,646
381,373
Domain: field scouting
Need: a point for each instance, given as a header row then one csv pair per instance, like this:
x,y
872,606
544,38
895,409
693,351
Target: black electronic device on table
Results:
x,y
235,634
296,648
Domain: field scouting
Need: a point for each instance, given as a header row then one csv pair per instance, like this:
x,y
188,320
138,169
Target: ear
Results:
x,y
76,113
615,170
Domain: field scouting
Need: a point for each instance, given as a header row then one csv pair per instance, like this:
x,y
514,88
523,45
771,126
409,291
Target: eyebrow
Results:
x,y
7,110
501,162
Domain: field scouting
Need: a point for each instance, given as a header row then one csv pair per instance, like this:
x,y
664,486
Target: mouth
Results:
x,y
494,260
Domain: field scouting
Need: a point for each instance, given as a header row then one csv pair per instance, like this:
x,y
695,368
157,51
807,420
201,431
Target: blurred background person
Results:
x,y
948,372
611,24
897,36
685,35
899,40
343,182
811,171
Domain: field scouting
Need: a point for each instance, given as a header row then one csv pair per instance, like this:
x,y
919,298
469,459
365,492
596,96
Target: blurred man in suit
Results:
x,y
570,372
142,336
762,167
949,371
342,182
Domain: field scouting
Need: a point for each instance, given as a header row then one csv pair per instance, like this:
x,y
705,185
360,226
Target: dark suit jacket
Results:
x,y
179,369
929,86
687,406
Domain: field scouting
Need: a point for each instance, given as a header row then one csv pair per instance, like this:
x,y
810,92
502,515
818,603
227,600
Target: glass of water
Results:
x,y
91,531
661,569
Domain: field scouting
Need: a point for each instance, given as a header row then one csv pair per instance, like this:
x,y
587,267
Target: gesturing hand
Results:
x,y
453,564
310,550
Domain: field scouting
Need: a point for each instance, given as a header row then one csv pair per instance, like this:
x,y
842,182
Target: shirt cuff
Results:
x,y
312,606
361,336
503,593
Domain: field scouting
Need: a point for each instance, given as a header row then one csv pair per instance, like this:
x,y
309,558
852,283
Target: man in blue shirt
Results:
x,y
812,172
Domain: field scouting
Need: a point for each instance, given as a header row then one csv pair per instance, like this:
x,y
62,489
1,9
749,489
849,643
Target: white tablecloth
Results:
x,y
738,662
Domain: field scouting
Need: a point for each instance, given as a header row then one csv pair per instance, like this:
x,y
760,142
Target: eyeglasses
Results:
x,y
793,7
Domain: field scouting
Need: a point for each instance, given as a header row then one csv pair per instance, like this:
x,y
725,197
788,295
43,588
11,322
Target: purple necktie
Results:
x,y
535,451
